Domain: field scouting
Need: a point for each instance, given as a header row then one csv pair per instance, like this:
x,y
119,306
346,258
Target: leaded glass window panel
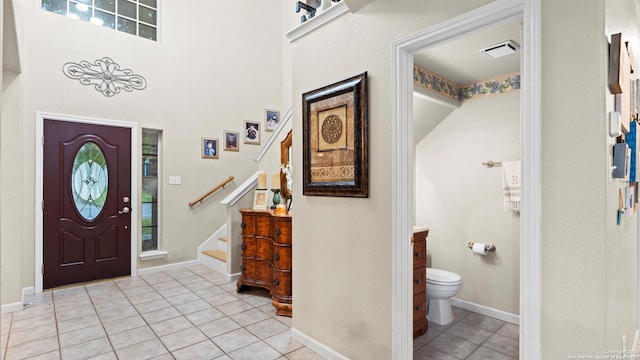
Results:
x,y
147,32
55,6
109,5
150,191
127,9
89,181
147,15
127,26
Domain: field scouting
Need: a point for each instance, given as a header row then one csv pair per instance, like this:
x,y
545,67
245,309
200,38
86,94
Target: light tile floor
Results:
x,y
195,313
470,336
190,313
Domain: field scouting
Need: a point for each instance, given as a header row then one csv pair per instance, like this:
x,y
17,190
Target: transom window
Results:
x,y
136,17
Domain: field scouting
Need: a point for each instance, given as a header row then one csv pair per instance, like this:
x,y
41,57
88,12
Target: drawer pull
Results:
x,y
277,232
276,282
242,268
418,254
243,225
418,308
276,257
418,281
243,246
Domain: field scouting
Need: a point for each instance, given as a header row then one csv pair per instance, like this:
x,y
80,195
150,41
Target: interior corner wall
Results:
x,y
206,74
342,253
462,201
588,266
11,201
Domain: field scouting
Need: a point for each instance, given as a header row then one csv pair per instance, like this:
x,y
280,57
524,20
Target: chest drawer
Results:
x,y
419,253
419,306
419,280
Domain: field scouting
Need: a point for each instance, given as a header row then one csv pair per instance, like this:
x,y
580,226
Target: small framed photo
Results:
x,y
251,132
231,140
209,148
271,119
260,199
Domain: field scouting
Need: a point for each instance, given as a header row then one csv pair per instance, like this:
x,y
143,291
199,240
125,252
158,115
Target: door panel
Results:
x,y
87,175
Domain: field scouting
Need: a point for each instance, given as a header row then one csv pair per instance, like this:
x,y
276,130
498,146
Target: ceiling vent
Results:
x,y
502,49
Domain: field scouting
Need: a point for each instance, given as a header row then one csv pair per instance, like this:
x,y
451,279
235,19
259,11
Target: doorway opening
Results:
x,y
488,16
467,137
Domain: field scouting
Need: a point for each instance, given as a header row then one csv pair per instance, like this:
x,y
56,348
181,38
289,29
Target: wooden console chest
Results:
x,y
420,322
266,256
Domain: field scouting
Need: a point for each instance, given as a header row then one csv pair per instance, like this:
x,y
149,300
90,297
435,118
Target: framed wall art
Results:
x,y
252,132
231,140
260,199
335,150
271,119
209,148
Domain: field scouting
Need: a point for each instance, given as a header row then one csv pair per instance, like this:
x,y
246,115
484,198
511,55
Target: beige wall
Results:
x,y
197,87
342,246
462,201
589,274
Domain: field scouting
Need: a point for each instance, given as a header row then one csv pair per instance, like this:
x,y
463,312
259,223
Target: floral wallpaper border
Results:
x,y
447,88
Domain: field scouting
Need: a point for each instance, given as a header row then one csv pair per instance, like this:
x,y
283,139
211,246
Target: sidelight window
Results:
x,y
150,154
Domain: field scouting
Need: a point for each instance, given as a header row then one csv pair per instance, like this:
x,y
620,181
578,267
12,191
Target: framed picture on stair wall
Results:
x,y
271,119
334,139
252,132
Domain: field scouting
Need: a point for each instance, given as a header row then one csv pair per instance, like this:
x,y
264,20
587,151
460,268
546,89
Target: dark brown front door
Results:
x,y
87,202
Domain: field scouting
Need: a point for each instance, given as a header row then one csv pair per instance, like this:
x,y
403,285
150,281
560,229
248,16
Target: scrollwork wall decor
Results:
x,y
105,75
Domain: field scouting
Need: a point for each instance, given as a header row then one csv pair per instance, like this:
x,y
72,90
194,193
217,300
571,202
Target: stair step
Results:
x,y
218,254
222,238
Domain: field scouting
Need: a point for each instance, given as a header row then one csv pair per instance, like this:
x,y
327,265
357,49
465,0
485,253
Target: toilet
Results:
x,y
442,285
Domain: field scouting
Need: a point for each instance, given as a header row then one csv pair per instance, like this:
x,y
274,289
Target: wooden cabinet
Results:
x,y
266,256
420,323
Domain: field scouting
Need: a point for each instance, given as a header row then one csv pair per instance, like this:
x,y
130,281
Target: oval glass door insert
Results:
x,y
89,180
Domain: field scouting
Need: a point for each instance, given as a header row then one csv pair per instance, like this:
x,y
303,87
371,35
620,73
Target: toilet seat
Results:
x,y
442,277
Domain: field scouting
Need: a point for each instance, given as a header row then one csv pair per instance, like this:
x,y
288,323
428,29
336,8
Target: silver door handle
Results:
x,y
125,210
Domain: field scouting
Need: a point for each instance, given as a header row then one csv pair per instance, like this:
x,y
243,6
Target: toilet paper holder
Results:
x,y
488,247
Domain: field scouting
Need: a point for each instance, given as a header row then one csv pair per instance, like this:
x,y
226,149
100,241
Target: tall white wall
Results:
x,y
342,246
589,264
462,201
206,74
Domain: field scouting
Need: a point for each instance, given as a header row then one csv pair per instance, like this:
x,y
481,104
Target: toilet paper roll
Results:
x,y
480,249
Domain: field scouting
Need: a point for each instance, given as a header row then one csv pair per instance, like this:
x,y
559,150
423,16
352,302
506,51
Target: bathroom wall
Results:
x,y
461,201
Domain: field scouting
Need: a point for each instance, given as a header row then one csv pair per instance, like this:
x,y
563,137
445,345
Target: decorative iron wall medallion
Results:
x,y
105,75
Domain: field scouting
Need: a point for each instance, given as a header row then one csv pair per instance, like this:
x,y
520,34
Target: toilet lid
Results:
x,y
442,276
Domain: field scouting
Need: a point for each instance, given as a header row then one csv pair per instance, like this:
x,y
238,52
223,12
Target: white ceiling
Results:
x,y
462,62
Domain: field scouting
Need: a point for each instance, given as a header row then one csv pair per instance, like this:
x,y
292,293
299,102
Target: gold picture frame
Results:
x,y
335,149
209,148
260,198
231,140
251,132
271,119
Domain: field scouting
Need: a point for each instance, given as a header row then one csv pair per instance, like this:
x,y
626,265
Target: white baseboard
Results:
x,y
17,306
316,346
167,267
7,308
233,277
487,311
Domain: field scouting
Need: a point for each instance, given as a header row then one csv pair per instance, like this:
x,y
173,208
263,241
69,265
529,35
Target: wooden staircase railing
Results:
x,y
218,187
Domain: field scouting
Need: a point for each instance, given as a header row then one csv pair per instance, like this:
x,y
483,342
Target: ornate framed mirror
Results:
x,y
285,161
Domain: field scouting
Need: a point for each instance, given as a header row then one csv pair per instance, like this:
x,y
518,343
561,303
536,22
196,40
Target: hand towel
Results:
x,y
511,185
